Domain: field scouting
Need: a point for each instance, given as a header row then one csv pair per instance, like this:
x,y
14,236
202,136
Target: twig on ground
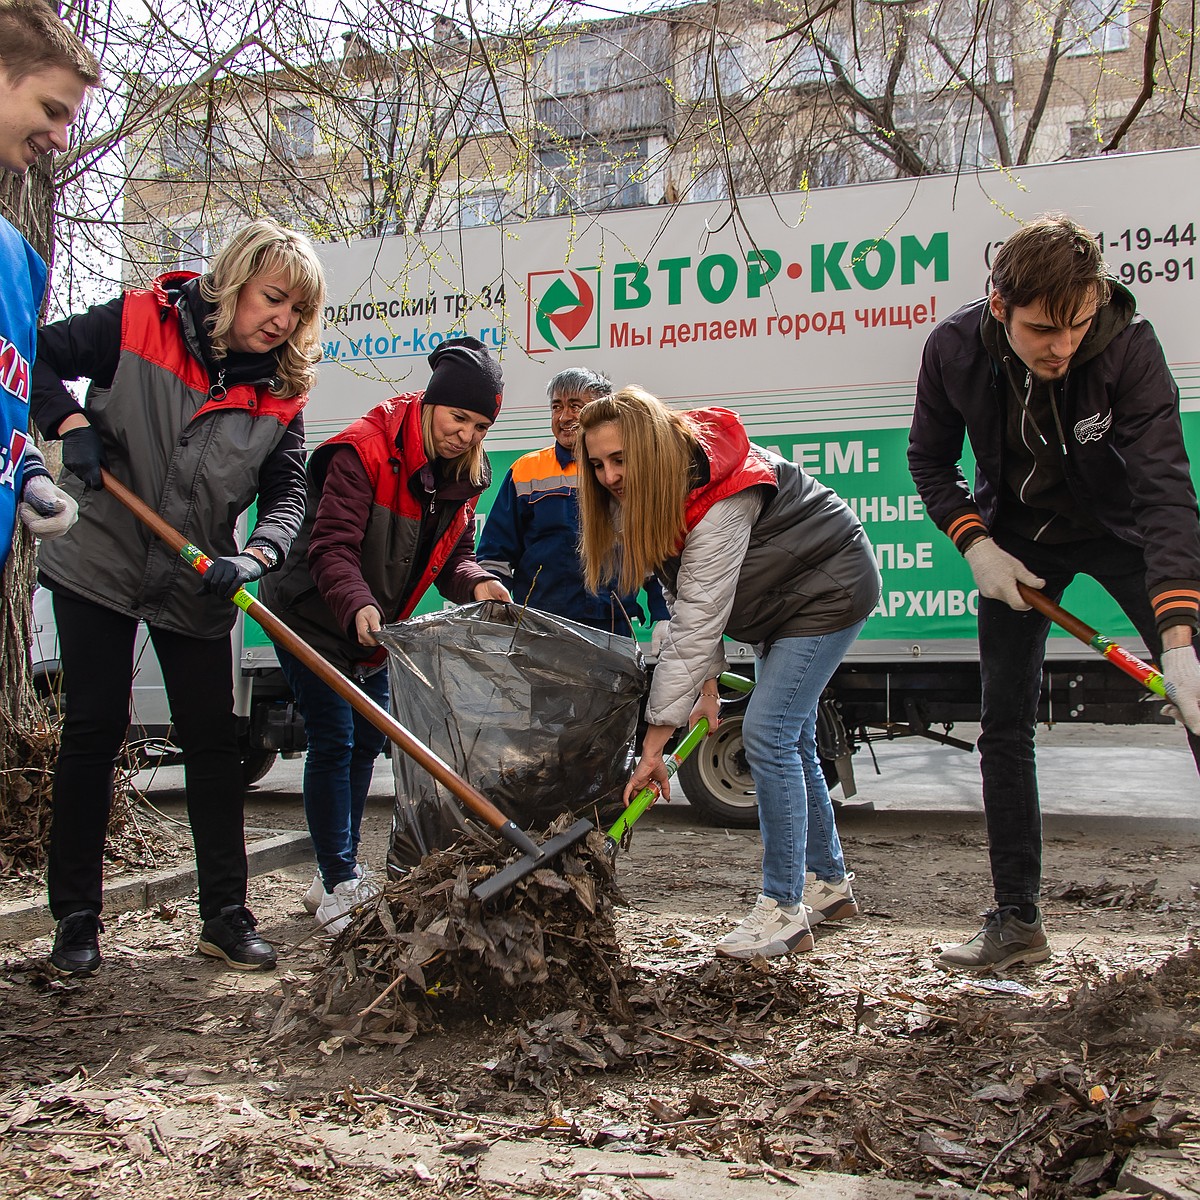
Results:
x,y
725,1058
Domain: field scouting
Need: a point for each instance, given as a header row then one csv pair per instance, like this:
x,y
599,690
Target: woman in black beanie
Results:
x,y
391,509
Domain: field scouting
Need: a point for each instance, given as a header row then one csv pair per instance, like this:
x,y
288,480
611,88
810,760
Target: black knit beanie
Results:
x,y
465,376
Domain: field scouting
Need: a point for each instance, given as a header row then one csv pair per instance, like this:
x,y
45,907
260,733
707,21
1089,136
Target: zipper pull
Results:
x,y
1028,397
217,390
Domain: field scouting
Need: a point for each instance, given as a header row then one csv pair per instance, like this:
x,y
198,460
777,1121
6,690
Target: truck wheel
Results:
x,y
256,763
717,780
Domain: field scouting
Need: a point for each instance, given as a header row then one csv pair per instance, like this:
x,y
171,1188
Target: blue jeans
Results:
x,y
1012,646
342,749
779,732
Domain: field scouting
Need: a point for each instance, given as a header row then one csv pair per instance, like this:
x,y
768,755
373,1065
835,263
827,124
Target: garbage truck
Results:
x,y
805,312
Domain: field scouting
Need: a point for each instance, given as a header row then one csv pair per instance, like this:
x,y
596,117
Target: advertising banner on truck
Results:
x,y
804,312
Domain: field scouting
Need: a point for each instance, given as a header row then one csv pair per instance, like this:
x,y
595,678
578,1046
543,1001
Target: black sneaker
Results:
x,y
77,944
231,936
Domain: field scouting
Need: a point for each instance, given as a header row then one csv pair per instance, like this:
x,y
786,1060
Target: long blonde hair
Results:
x,y
632,539
470,463
267,247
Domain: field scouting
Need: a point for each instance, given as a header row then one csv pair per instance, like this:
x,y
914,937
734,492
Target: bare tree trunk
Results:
x,y
28,738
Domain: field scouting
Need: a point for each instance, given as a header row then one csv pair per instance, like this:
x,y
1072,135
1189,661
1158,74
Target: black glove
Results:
x,y
83,455
226,575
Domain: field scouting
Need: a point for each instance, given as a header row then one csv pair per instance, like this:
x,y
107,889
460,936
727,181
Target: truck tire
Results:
x,y
717,778
256,763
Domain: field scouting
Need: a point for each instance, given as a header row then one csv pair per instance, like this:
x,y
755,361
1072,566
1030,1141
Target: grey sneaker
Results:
x,y
770,931
827,901
1004,941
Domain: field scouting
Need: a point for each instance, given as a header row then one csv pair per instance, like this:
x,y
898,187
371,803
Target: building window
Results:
x,y
593,177
1096,27
185,249
804,64
581,65
832,169
185,147
1084,138
384,134
481,208
293,132
712,184
736,67
479,111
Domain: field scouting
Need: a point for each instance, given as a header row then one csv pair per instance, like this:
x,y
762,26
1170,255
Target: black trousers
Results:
x,y
1012,646
96,649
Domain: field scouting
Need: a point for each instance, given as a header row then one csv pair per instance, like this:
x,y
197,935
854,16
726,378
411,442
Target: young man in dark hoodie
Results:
x,y
1073,417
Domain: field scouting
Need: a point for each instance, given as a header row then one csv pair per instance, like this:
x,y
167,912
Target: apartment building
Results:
x,y
414,131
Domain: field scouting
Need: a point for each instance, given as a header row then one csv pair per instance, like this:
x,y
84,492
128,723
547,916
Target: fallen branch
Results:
x,y
732,1062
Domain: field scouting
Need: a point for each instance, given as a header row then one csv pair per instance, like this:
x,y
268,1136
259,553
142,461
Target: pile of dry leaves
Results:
x,y
807,1070
425,950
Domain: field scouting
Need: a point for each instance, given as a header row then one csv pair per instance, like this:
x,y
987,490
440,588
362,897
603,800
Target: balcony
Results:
x,y
642,110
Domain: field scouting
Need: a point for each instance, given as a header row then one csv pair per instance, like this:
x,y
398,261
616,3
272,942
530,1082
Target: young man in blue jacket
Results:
x,y
530,539
45,71
1073,418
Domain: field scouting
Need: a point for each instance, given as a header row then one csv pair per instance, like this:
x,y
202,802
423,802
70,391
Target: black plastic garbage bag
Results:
x,y
536,712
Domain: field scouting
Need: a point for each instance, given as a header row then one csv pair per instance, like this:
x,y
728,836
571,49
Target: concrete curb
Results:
x,y
21,920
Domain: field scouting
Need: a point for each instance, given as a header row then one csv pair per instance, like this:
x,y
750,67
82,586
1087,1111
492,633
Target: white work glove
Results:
x,y
46,511
1181,670
997,573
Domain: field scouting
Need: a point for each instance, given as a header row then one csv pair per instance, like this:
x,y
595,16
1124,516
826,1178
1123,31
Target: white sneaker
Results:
x,y
337,907
770,930
829,901
314,895
316,890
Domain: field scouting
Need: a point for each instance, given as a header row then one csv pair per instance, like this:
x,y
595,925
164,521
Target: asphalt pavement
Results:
x,y
1102,770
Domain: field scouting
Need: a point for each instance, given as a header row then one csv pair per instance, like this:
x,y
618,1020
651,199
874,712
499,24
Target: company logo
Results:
x,y
1092,429
564,310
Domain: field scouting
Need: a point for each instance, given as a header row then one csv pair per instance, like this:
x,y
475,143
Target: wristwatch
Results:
x,y
268,552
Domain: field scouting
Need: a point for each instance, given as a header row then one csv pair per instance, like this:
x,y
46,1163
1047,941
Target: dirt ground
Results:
x,y
159,1078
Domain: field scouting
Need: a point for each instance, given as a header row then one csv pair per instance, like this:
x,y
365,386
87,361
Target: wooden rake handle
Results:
x,y
1120,658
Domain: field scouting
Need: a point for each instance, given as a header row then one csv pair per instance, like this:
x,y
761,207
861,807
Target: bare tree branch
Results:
x,y
1149,61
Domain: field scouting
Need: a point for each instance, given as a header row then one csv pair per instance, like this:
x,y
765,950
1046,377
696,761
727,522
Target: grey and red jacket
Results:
x,y
1123,451
199,445
382,525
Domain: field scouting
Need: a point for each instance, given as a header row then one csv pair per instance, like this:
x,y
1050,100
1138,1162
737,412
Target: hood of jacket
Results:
x,y
180,290
1109,321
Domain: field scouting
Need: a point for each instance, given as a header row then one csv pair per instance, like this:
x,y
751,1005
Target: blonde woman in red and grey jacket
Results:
x,y
197,387
745,544
391,510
